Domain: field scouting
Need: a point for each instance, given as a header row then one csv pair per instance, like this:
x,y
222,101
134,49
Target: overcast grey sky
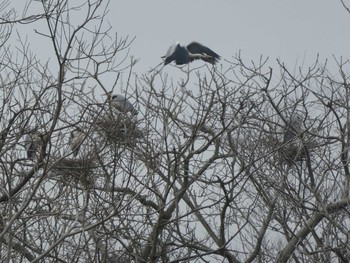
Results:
x,y
289,30
275,28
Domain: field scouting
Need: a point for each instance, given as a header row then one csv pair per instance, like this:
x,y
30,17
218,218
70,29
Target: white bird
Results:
x,y
32,144
184,55
121,103
77,137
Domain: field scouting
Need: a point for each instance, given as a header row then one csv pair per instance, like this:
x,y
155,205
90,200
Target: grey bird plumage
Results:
x,y
293,129
32,144
184,55
76,138
122,104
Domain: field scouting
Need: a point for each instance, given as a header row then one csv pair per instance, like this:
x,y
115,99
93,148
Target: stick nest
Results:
x,y
119,129
77,170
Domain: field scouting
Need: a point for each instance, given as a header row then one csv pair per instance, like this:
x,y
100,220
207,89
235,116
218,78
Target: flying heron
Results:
x,y
184,55
76,138
121,103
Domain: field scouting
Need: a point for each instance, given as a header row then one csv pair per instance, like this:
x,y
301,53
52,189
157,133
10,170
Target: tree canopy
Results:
x,y
236,162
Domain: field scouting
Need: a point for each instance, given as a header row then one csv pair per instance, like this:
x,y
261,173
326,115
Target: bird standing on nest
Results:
x,y
121,103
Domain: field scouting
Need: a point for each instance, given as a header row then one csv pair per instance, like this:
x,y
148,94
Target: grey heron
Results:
x,y
184,55
293,129
76,138
121,103
32,144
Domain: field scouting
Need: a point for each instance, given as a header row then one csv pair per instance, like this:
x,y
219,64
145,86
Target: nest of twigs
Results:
x,y
292,151
119,129
76,170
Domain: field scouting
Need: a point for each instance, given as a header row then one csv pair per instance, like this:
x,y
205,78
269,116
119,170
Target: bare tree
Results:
x,y
238,163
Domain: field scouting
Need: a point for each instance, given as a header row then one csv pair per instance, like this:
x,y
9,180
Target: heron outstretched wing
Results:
x,y
204,57
209,55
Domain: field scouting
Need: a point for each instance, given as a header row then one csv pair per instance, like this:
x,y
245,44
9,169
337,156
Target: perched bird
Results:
x,y
293,129
32,144
184,55
121,103
77,136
